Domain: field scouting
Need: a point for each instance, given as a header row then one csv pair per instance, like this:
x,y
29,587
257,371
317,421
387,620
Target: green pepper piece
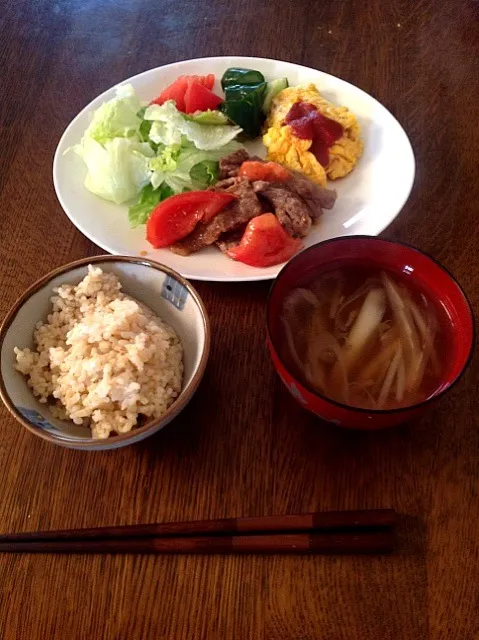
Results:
x,y
245,114
241,91
241,76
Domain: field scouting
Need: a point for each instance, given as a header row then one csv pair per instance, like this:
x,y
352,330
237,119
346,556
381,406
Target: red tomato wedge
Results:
x,y
265,243
176,92
199,98
177,89
207,81
177,216
269,171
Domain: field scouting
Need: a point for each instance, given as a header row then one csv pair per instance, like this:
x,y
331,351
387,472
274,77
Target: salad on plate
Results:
x,y
180,167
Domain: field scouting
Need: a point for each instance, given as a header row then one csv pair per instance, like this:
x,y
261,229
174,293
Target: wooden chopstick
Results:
x,y
372,542
308,522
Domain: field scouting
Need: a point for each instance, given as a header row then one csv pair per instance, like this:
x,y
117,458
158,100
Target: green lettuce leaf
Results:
x,y
208,117
145,125
127,148
149,198
174,168
166,120
205,173
170,126
117,118
117,169
114,150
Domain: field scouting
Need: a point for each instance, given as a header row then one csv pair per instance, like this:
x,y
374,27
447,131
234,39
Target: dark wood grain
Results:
x,y
243,446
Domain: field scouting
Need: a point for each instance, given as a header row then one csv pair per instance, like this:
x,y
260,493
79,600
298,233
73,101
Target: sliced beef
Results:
x,y
229,185
229,165
230,239
290,209
317,198
295,203
234,216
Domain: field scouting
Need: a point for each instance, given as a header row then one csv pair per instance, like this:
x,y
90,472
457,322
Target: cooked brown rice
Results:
x,y
102,359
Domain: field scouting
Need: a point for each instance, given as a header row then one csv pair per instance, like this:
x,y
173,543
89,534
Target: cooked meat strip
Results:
x,y
235,215
227,183
229,165
317,198
295,204
290,209
230,239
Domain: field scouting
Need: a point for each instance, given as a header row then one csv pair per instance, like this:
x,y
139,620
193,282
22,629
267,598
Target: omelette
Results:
x,y
296,152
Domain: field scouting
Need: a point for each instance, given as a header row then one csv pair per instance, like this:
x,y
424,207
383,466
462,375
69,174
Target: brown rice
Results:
x,y
102,359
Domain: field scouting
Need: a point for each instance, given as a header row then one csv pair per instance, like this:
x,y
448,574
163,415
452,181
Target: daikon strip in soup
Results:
x,y
364,338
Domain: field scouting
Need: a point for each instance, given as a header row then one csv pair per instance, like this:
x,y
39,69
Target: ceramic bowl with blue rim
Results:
x,y
164,291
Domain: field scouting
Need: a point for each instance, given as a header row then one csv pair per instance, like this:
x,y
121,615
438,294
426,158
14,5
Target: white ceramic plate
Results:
x,y
368,199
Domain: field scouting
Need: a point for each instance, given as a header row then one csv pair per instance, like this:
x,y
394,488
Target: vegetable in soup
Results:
x,y
363,338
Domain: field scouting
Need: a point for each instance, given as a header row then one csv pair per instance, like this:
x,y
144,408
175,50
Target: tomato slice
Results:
x,y
199,98
265,243
177,216
177,89
207,81
269,171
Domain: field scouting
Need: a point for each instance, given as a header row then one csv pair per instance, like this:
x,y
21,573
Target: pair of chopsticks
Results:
x,y
333,532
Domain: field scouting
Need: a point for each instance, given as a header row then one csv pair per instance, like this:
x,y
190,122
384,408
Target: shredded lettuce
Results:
x,y
174,167
145,127
117,160
209,136
166,122
169,126
117,169
117,118
149,153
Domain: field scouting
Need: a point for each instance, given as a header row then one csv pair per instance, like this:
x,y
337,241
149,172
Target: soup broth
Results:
x,y
364,338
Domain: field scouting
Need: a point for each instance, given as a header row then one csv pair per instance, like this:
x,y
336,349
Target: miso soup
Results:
x,y
364,338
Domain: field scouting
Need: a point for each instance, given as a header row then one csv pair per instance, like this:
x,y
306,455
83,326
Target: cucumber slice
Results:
x,y
208,117
274,87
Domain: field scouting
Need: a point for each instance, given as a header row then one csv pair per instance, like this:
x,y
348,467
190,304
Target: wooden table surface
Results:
x,y
243,446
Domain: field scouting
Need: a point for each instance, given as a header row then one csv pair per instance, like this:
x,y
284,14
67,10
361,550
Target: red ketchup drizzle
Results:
x,y
308,123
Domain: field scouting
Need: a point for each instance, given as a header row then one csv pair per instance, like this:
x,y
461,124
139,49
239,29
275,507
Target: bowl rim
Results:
x,y
361,410
186,393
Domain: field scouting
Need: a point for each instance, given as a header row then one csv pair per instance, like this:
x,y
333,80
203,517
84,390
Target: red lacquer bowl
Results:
x,y
397,258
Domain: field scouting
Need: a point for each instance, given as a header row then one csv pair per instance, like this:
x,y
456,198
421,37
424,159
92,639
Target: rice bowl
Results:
x,y
158,292
105,359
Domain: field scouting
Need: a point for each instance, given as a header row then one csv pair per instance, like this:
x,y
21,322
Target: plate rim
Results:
x,y
226,278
